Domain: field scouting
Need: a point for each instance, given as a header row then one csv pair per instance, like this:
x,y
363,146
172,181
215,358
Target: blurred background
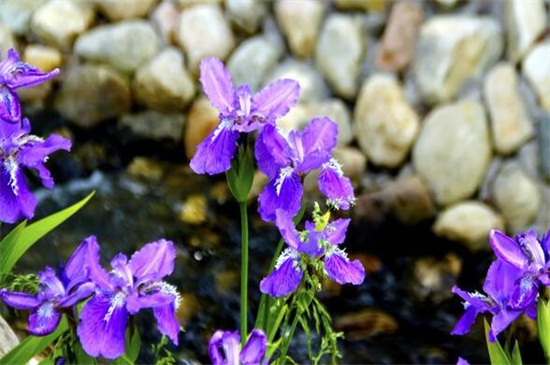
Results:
x,y
443,109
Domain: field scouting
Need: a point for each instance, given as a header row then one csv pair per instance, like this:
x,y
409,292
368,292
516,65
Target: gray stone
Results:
x,y
16,14
336,110
453,151
92,94
300,21
201,120
120,10
511,125
203,31
451,50
468,222
163,83
154,125
59,22
165,18
124,45
544,143
253,60
536,69
385,125
516,196
246,14
354,163
340,50
525,22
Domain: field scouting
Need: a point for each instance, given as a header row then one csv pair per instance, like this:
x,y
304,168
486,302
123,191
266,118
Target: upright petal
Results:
x,y
217,84
500,281
254,350
335,186
51,283
82,262
44,319
532,248
153,262
214,154
276,99
340,269
284,279
271,151
223,348
507,249
285,192
102,327
318,139
287,229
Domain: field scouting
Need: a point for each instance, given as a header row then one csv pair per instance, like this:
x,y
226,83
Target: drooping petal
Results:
x,y
285,192
271,151
284,279
287,229
223,348
102,327
340,269
466,321
217,84
153,262
335,232
318,140
10,108
16,200
501,321
507,249
167,322
214,154
19,300
335,186
44,319
254,350
276,99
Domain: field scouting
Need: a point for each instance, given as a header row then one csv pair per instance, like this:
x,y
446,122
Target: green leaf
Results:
x,y
496,352
241,174
543,326
32,346
133,345
516,355
15,244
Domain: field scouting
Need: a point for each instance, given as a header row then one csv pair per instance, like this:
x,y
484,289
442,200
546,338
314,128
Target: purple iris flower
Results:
x,y
128,288
20,149
240,111
286,159
315,241
499,287
56,293
13,75
224,348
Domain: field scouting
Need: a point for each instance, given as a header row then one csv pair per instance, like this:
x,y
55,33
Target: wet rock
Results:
x,y
190,306
246,14
163,83
385,125
371,5
536,70
296,118
201,120
525,22
152,124
252,61
453,151
336,110
451,50
397,46
146,169
16,14
7,40
353,162
544,143
511,125
58,23
203,31
46,59
125,45
432,279
468,222
193,211
300,22
340,50
366,324
312,85
90,94
121,10
516,196
165,19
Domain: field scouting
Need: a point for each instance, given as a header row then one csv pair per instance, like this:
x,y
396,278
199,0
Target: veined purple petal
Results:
x,y
167,322
276,99
153,262
462,361
466,321
284,279
19,300
214,154
286,226
507,249
217,84
525,292
335,186
477,300
501,320
271,151
545,243
318,140
529,241
285,192
84,261
335,232
500,281
10,108
340,269
16,200
44,319
223,348
254,350
102,327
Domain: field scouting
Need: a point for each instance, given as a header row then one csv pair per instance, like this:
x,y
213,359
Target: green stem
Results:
x,y
244,272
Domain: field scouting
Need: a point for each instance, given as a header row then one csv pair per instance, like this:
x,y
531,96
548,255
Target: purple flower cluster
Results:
x,y
224,348
129,287
512,284
19,148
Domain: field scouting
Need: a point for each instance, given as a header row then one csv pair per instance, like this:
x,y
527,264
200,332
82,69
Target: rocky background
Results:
x,y
443,105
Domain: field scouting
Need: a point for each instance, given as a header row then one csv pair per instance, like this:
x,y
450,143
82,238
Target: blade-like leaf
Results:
x,y
543,326
496,353
516,355
14,245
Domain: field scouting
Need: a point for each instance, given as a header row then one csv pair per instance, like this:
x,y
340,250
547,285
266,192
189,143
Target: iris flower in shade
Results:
x,y
240,111
525,253
13,75
499,286
286,159
19,149
56,293
131,286
224,348
315,241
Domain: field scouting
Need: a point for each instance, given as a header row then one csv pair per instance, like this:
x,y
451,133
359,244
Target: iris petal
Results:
x,y
340,269
154,261
167,322
507,249
254,349
283,280
276,99
217,84
214,153
44,319
284,193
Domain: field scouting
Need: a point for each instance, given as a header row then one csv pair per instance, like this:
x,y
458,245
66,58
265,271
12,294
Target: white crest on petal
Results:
x,y
118,300
335,166
12,166
288,253
225,123
283,174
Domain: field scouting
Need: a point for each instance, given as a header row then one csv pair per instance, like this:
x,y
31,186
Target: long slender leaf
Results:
x,y
13,246
516,355
543,326
496,353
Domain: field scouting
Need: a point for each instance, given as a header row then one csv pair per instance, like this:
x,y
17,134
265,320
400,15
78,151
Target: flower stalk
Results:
x,y
244,271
